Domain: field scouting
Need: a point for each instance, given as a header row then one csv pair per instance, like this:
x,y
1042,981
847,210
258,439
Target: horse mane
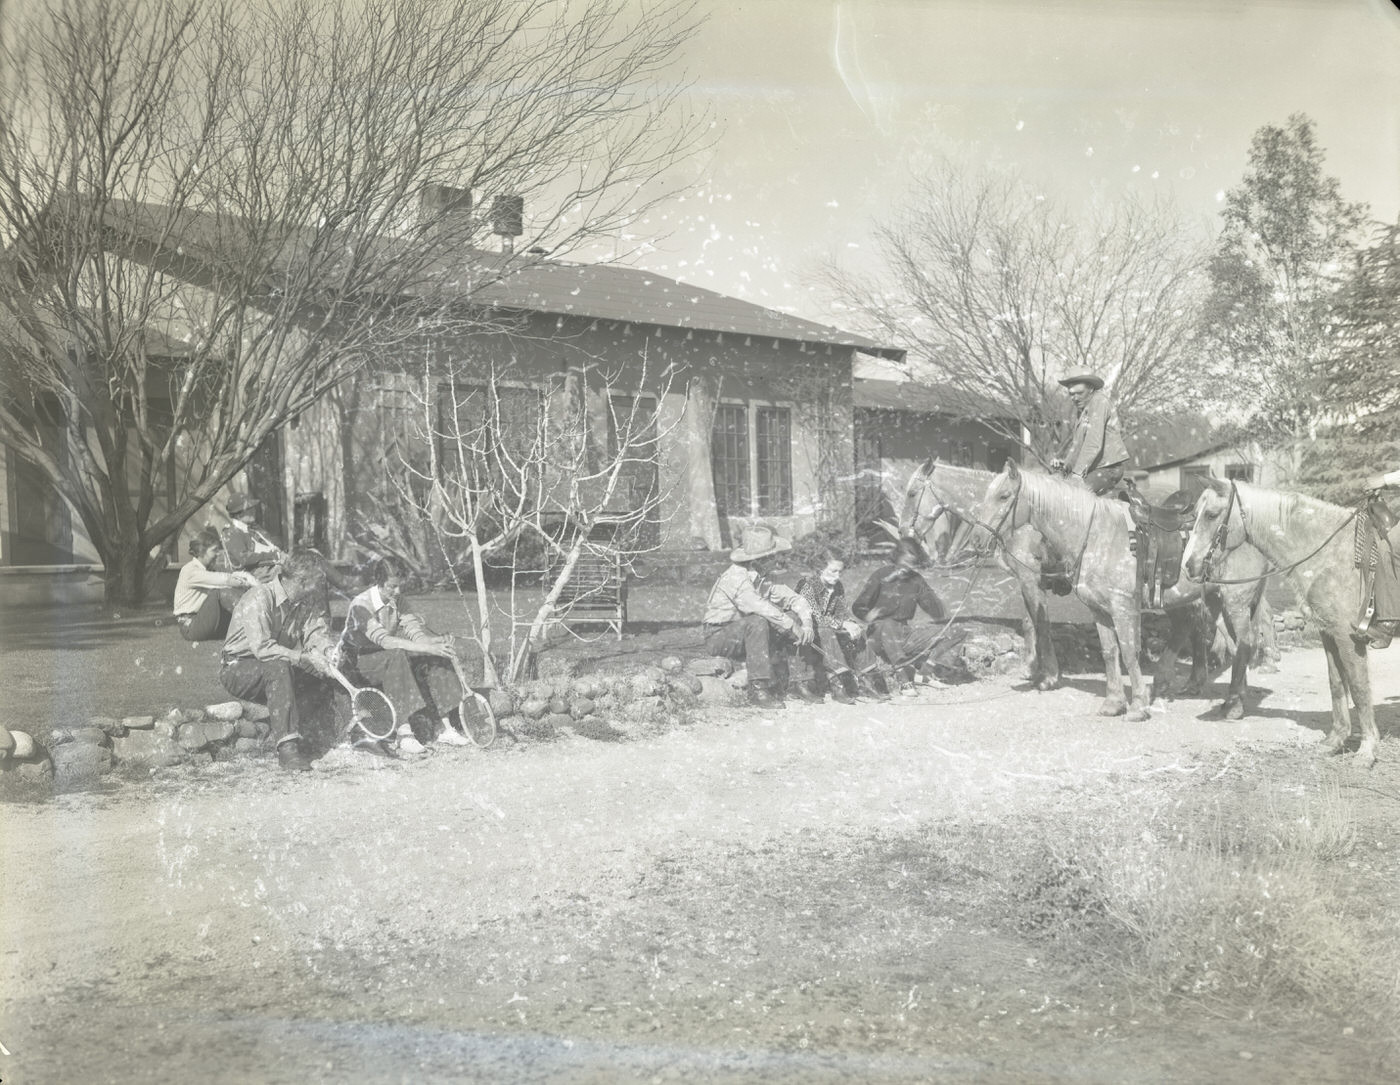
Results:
x,y
1061,499
1281,508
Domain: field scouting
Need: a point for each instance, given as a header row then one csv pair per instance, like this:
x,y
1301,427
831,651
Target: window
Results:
x,y
773,460
471,423
963,455
729,458
744,467
1239,472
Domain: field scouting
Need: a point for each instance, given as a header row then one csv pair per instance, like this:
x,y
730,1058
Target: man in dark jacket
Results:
x,y
1096,453
888,602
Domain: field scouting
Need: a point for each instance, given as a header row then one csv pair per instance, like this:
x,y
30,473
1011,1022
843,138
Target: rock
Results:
x,y
139,723
224,710
680,687
1006,664
647,684
151,747
558,720
656,674
254,711
673,664
41,769
78,760
206,733
7,742
246,728
558,706
22,746
584,706
739,679
89,736
502,703
107,725
585,688
1005,642
167,725
716,690
710,665
534,709
248,747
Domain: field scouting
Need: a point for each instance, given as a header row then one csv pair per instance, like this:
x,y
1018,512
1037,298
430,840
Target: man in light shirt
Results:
x,y
1096,454
273,635
750,617
198,606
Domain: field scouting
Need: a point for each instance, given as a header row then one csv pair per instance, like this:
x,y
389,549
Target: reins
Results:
x,y
1218,543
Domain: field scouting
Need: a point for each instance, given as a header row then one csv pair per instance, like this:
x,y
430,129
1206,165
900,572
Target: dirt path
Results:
x,y
716,904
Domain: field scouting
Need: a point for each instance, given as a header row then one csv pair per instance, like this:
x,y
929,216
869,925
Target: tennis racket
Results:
x,y
370,710
474,710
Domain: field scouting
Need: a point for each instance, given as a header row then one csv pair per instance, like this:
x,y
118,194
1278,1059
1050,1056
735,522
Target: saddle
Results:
x,y
1379,568
1158,540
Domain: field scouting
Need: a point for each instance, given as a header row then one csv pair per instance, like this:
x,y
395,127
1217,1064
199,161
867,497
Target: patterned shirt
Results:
x,y
372,619
740,591
828,603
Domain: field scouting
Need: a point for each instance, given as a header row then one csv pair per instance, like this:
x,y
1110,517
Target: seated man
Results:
x,y
245,542
199,605
888,602
840,639
267,642
393,650
751,618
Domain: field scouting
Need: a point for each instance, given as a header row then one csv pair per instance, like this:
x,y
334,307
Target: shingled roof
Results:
x,y
923,398
523,283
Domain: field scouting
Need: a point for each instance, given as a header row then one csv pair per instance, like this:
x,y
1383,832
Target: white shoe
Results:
x,y
409,744
452,737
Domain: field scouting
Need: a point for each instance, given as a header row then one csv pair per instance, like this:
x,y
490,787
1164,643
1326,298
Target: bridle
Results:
x,y
995,531
1220,536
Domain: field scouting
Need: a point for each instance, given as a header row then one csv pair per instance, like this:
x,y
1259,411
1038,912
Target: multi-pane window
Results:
x,y
773,460
729,456
761,466
490,432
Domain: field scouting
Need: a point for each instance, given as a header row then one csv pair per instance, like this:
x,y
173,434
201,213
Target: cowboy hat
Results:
x,y
1082,376
241,503
759,542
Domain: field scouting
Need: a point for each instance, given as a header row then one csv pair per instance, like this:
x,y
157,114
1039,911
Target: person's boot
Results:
x,y
843,691
807,691
292,756
872,687
762,695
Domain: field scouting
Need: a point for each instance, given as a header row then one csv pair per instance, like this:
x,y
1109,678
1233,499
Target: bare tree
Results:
x,y
503,472
213,213
998,291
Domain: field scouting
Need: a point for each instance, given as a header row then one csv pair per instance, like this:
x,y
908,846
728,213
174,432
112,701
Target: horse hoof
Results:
x,y
1045,685
1331,747
1192,689
1113,708
1365,757
1137,715
1233,711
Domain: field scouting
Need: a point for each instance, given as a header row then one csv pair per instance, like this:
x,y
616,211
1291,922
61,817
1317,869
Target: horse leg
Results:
x,y
1241,626
1266,639
1127,628
1113,704
1044,664
1356,670
1336,681
1164,679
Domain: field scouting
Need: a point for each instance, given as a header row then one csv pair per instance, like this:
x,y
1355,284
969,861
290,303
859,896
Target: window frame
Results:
x,y
751,408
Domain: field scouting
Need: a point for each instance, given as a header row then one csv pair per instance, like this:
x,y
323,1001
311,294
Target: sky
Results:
x,y
825,109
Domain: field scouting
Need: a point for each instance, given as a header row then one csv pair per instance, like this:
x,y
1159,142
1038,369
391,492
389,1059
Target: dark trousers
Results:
x,y
1102,479
903,647
209,622
271,682
834,655
752,639
413,684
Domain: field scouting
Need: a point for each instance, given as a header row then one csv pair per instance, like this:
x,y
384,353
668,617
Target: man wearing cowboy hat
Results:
x,y
245,542
1096,453
750,617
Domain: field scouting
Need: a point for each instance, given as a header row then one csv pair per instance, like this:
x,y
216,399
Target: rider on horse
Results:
x,y
1096,453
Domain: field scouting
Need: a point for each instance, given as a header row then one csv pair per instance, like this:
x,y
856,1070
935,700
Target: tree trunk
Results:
x,y
129,573
702,394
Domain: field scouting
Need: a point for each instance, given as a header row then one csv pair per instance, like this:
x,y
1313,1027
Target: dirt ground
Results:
x,y
797,896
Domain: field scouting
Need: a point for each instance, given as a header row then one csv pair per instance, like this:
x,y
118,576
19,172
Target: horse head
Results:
x,y
995,516
922,516
1215,532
